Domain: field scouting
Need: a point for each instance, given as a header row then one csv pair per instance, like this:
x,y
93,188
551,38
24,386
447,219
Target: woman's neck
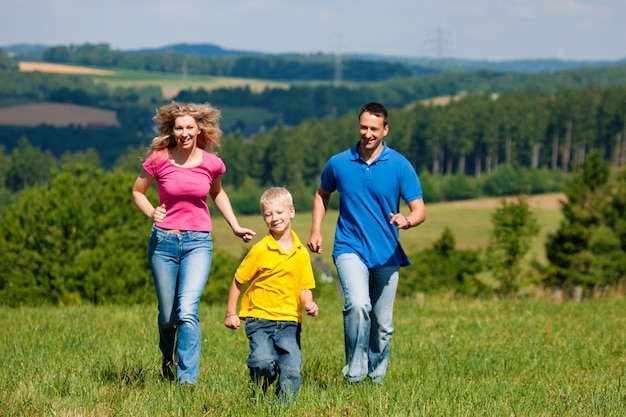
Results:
x,y
183,157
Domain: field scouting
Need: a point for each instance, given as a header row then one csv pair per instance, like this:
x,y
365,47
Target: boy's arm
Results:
x,y
232,318
306,298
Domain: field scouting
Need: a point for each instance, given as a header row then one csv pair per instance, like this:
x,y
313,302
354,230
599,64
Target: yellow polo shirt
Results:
x,y
275,279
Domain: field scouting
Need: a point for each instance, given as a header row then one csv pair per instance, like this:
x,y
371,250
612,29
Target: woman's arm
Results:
x,y
222,202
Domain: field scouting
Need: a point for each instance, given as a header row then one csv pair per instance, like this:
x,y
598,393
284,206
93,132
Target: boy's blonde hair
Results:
x,y
276,195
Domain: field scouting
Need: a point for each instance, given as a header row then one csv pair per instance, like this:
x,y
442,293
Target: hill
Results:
x,y
34,52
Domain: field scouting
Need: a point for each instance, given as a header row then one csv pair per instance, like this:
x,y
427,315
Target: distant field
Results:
x,y
57,114
469,221
61,68
170,84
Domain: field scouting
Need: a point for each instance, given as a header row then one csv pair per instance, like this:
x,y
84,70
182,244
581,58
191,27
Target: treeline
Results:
x,y
268,67
466,139
28,166
479,145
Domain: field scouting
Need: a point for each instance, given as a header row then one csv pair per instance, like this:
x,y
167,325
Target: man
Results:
x,y
370,179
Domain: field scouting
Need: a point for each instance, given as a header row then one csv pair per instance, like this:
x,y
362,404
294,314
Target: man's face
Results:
x,y
372,131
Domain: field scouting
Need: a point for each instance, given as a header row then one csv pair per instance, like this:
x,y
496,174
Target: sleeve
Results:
x,y
150,166
327,178
308,278
216,165
410,186
248,267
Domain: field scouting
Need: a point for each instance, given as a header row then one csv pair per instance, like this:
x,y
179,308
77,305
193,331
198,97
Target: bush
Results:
x,y
443,268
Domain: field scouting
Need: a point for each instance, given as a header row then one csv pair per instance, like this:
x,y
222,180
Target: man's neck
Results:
x,y
369,155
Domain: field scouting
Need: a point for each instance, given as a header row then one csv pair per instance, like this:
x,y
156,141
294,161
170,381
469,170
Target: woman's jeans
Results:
x,y
275,352
180,264
367,316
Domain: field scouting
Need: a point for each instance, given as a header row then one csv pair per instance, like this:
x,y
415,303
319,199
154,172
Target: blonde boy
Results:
x,y
280,278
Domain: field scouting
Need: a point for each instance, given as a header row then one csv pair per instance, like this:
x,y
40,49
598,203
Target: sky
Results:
x,y
492,30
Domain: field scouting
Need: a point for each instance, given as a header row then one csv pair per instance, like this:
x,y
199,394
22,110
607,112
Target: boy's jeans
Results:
x,y
275,352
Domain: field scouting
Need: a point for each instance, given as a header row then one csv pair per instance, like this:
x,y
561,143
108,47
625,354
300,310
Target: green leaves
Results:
x,y
514,228
80,239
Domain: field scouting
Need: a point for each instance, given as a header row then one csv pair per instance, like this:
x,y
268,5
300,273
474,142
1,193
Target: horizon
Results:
x,y
483,30
21,45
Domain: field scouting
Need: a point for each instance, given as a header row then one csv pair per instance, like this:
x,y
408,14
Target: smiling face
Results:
x,y
186,132
277,216
372,131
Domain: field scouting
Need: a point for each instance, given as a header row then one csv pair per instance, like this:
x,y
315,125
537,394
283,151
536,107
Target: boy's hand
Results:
x,y
232,322
311,309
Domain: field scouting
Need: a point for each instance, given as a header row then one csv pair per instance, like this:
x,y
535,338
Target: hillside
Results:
x,y
32,51
58,115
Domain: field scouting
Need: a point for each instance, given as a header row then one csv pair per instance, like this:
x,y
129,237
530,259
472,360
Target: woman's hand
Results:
x,y
158,214
245,234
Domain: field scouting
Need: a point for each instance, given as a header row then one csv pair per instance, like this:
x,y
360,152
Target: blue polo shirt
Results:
x,y
367,194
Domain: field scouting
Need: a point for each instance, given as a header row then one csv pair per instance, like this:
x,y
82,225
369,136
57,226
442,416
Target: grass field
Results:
x,y
469,221
170,84
449,358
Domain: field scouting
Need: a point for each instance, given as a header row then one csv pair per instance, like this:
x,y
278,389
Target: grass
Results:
x,y
449,358
171,83
470,224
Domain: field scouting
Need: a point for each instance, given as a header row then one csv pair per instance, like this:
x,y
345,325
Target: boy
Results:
x,y
280,278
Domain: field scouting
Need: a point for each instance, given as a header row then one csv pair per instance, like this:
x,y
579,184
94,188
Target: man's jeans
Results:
x,y
367,316
180,264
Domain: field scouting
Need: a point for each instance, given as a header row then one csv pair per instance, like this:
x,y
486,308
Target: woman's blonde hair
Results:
x,y
206,116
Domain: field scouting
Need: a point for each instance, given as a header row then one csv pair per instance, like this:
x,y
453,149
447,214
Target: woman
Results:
x,y
180,247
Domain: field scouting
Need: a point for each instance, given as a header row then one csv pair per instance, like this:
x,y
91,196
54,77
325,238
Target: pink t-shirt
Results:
x,y
184,191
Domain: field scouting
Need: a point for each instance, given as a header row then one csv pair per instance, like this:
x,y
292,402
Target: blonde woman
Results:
x,y
180,247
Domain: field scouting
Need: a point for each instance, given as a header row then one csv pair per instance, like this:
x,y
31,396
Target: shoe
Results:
x,y
167,368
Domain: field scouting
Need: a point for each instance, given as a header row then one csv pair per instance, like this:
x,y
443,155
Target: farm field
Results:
x,y
170,84
450,357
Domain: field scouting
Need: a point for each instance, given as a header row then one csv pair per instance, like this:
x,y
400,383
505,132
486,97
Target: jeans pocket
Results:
x,y
157,236
200,236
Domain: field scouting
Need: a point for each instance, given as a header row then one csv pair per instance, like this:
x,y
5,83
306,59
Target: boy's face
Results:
x,y
278,216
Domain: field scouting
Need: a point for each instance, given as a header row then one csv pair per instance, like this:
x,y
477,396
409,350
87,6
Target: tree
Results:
x,y
514,227
29,166
443,268
6,63
582,235
78,239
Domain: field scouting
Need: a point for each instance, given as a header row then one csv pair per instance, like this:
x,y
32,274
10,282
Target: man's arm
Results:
x,y
320,205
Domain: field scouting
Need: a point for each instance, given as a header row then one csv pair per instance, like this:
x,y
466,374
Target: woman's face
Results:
x,y
186,132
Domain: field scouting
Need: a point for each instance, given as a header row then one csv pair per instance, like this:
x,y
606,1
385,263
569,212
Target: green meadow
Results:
x,y
450,356
470,223
171,83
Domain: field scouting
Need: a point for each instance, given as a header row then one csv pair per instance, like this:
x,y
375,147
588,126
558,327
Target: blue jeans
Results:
x,y
180,264
367,316
275,353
